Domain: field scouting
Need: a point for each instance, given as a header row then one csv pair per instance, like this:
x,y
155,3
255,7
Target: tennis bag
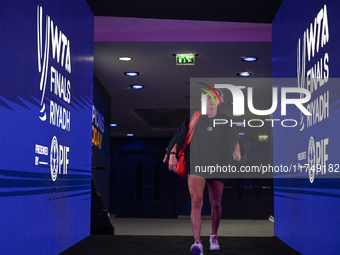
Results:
x,y
182,169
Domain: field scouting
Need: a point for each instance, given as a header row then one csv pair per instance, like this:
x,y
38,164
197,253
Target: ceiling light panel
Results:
x,y
244,74
125,58
131,74
250,59
137,86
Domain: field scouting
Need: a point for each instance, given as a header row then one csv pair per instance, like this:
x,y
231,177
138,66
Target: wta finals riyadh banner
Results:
x,y
313,144
46,111
306,49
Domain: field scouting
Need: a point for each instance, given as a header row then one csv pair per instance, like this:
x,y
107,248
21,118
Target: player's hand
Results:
x,y
237,155
172,163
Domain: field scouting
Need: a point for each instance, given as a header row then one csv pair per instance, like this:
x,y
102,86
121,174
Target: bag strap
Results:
x,y
191,128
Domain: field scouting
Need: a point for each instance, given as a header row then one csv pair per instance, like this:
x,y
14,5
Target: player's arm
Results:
x,y
172,158
237,152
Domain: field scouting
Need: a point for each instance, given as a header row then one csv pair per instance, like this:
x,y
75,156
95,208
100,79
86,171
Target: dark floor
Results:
x,y
171,245
182,227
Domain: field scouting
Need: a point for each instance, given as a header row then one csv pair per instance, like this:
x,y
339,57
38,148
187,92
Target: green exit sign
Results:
x,y
185,59
263,138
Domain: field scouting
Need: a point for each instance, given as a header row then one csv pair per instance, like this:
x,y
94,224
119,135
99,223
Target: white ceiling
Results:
x,y
159,108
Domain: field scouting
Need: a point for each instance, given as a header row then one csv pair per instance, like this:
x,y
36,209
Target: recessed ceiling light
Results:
x,y
129,134
125,58
241,133
250,59
137,86
113,125
131,74
244,74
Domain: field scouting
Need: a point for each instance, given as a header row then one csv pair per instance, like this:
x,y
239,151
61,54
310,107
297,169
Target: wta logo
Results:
x,y
43,56
53,46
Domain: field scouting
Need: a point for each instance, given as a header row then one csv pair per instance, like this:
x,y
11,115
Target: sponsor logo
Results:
x,y
58,158
54,158
311,159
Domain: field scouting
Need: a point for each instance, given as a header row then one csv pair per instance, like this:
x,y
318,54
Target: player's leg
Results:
x,y
215,196
196,186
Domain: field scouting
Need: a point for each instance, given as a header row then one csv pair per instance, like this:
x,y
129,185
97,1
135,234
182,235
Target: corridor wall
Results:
x,y
307,195
46,90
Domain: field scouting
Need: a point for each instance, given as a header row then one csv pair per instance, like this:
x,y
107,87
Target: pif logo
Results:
x,y
54,158
317,157
58,158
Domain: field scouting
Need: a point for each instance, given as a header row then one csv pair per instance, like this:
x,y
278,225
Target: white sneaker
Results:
x,y
196,248
214,243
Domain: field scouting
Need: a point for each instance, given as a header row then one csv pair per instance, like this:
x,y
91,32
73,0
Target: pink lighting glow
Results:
x,y
117,29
